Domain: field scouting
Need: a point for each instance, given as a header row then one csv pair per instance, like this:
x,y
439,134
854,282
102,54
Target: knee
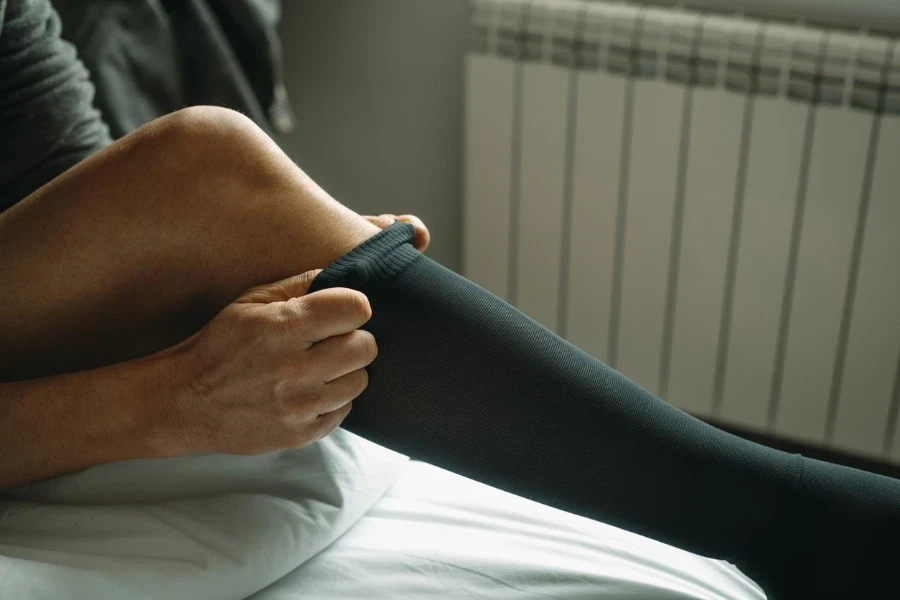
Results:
x,y
202,125
212,157
216,139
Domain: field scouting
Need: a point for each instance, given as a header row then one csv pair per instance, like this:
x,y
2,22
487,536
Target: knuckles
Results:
x,y
363,381
331,421
359,304
307,315
368,345
338,302
290,316
353,303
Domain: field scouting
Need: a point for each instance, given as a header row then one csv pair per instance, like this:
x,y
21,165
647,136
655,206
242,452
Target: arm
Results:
x,y
278,368
54,425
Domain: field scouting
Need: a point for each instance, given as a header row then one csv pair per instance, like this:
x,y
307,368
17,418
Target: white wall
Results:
x,y
377,87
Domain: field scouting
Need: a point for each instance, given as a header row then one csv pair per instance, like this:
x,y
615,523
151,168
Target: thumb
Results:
x,y
279,291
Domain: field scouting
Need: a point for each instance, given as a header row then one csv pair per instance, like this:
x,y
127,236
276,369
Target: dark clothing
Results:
x,y
467,382
47,120
146,58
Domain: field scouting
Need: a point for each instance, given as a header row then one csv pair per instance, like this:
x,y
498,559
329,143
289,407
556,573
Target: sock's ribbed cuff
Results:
x,y
380,257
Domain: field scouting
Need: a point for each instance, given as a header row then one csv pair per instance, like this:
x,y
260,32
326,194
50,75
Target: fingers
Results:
x,y
382,221
423,236
319,417
326,313
280,291
296,286
337,356
338,392
334,396
328,422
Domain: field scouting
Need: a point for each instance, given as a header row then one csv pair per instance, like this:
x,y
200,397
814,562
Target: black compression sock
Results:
x,y
469,383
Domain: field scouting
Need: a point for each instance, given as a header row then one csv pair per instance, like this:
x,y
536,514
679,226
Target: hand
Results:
x,y
423,237
278,368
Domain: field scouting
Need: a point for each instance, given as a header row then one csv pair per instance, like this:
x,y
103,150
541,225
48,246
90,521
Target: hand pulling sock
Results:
x,y
466,382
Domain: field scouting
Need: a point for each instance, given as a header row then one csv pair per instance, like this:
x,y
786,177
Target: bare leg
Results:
x,y
138,246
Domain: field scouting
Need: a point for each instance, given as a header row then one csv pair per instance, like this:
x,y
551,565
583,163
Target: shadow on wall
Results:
x,y
377,88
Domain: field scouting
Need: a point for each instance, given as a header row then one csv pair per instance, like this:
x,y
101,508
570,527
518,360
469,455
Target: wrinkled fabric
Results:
x,y
47,120
151,57
436,535
196,527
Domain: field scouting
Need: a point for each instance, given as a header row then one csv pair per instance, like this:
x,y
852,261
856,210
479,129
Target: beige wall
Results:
x,y
377,87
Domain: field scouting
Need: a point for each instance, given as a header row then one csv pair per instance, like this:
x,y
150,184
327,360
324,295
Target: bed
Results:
x,y
342,518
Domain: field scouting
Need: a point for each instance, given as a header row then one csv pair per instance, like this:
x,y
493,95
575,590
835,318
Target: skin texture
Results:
x,y
138,311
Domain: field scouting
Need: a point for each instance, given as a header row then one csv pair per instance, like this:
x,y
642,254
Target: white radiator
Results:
x,y
709,204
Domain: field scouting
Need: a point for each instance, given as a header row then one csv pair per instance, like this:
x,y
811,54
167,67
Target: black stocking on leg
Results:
x,y
468,383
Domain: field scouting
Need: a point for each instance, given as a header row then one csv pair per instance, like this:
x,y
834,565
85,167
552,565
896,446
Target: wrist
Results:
x,y
62,423
165,394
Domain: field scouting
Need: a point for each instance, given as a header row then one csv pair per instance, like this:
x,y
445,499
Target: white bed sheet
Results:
x,y
438,535
212,526
342,518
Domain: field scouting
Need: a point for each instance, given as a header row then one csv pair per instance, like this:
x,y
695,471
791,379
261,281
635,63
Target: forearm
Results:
x,y
54,425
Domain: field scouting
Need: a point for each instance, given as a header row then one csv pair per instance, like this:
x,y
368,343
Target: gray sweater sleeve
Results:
x,y
47,119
